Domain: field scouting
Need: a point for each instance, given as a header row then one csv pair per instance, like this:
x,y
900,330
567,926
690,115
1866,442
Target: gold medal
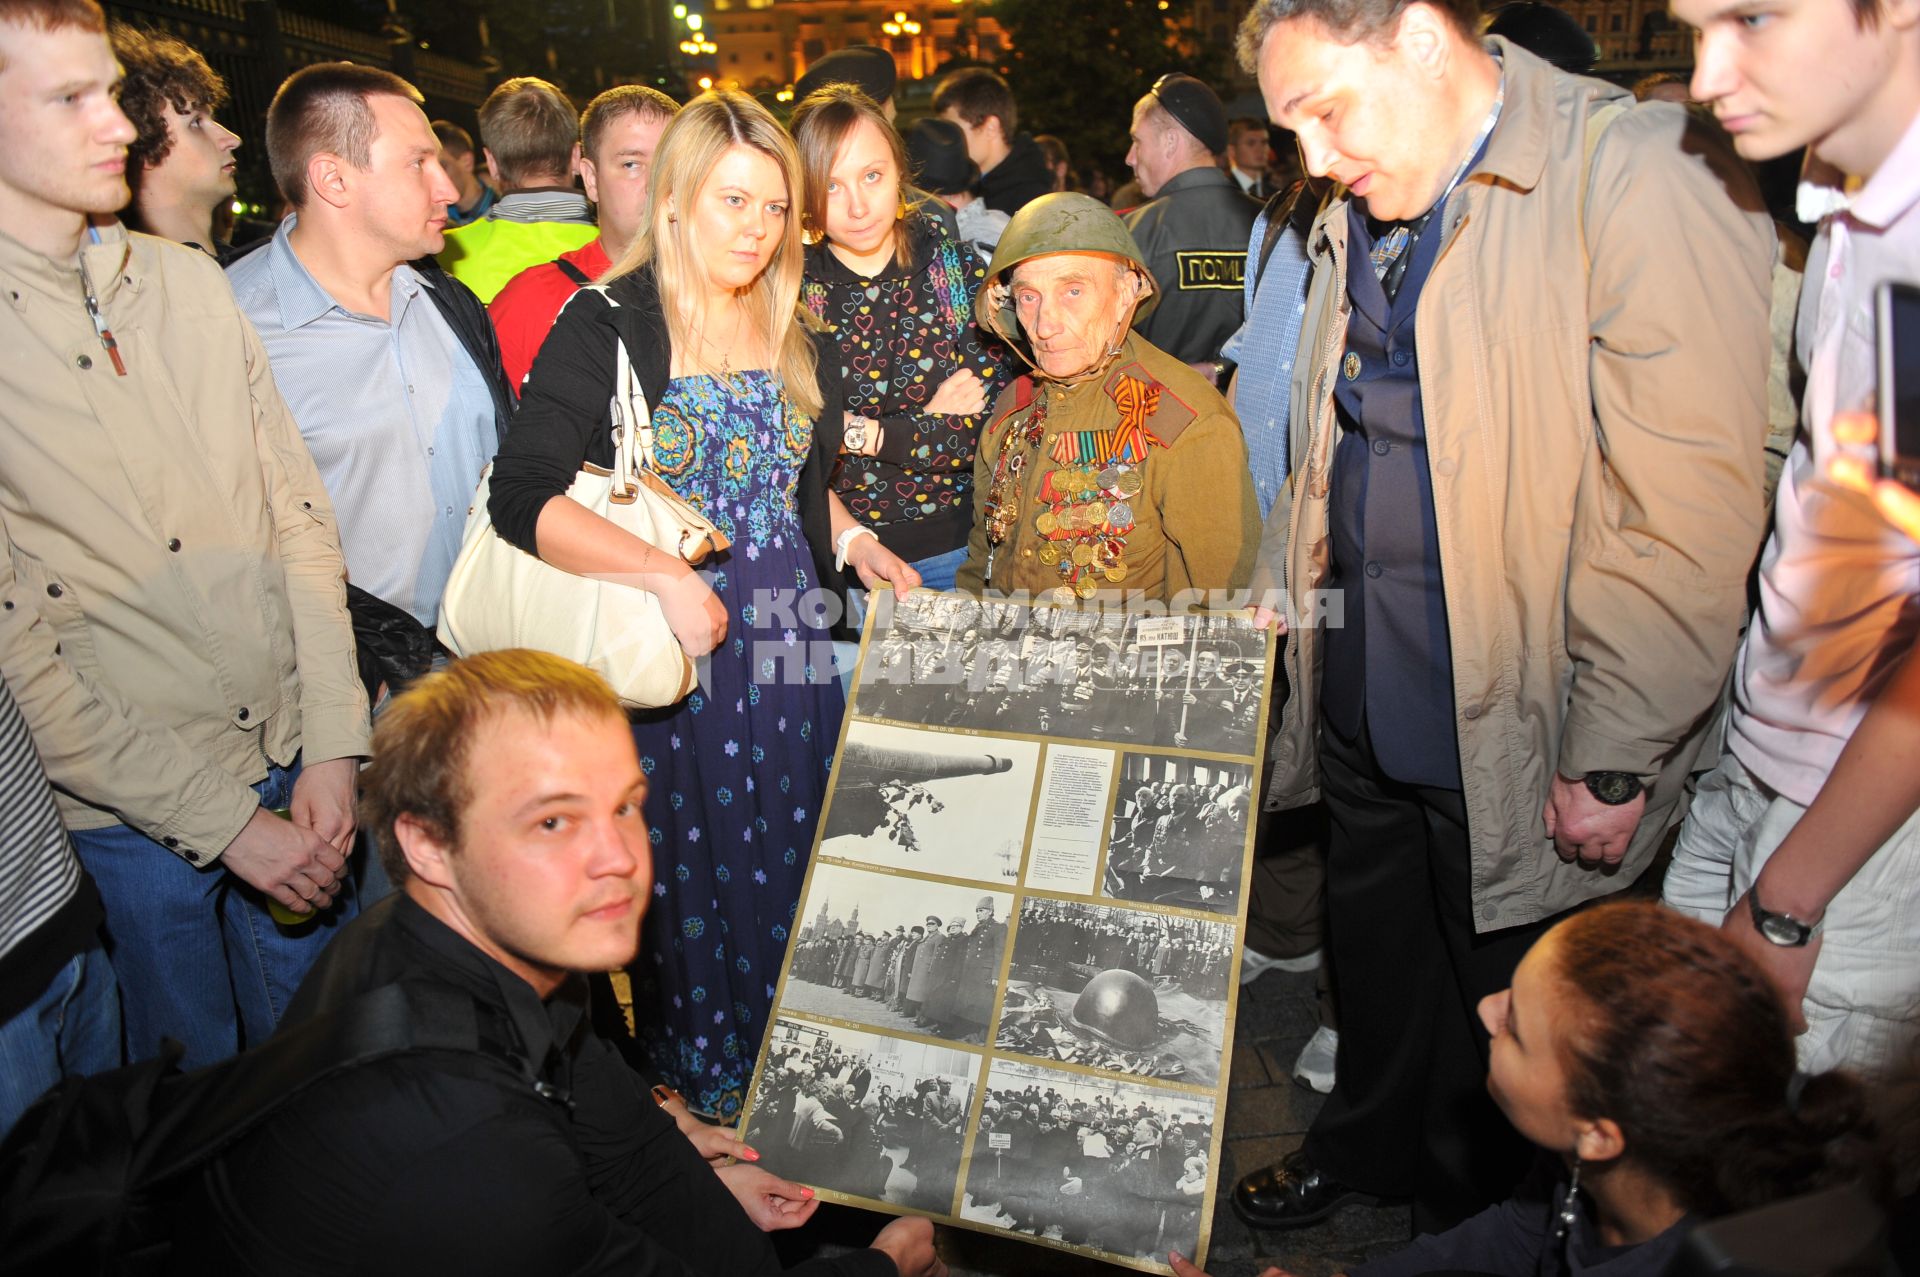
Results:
x,y
1096,513
1048,522
1117,573
1086,588
1082,554
1129,484
1049,554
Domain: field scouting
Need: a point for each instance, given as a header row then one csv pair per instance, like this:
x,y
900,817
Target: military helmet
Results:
x,y
1120,1008
1063,222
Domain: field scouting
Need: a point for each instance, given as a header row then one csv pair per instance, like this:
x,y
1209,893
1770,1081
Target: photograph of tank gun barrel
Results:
x,y
939,802
1118,989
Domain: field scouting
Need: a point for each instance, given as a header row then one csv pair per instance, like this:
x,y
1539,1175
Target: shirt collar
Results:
x,y
303,300
540,206
1892,191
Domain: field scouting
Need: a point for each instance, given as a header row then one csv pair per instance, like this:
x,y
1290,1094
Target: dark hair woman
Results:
x,y
898,294
1652,1061
746,417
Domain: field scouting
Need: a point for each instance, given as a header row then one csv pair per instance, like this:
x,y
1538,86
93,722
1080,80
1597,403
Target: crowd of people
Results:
x,y
1477,412
1129,1178
1056,935
940,977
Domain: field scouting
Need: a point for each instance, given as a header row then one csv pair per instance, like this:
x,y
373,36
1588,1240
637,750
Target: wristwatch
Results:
x,y
856,434
1782,929
1613,788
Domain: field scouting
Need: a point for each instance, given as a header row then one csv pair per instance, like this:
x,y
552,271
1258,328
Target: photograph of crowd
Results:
x,y
898,953
1191,682
1087,1161
869,1116
1179,833
939,802
1118,989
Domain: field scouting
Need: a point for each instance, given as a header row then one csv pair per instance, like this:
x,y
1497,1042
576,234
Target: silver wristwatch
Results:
x,y
856,434
1782,929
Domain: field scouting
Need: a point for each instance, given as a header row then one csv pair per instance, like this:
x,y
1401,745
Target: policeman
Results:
x,y
1112,469
1193,230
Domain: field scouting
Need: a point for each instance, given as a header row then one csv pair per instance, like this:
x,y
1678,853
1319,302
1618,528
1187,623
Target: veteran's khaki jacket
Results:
x,y
172,595
1594,434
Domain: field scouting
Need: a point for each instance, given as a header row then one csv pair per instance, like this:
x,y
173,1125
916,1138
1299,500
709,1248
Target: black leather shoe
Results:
x,y
1293,1193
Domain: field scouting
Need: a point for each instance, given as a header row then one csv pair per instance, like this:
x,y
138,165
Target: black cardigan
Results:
x,y
563,418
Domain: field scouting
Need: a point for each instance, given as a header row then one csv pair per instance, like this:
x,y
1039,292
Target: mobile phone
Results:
x,y
1897,309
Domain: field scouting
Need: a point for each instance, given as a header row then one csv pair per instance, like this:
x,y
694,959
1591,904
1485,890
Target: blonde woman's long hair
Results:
x,y
689,150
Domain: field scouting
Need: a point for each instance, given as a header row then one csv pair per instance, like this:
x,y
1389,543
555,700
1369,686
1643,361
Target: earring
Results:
x,y
1569,1210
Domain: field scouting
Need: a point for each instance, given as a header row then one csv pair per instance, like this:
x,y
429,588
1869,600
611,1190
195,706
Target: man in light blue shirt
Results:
x,y
389,368
1264,346
1286,912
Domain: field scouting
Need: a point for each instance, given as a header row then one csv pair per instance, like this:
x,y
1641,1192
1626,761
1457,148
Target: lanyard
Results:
x,y
107,342
1390,254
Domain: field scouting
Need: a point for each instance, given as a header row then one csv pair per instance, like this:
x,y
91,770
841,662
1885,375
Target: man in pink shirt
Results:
x,y
619,132
1805,839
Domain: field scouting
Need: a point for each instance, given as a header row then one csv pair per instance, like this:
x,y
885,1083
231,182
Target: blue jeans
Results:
x,y
937,572
71,1030
198,956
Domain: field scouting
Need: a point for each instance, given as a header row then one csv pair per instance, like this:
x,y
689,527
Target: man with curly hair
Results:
x,y
180,167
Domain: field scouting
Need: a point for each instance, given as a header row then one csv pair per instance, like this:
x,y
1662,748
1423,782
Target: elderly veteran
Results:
x,y
1112,470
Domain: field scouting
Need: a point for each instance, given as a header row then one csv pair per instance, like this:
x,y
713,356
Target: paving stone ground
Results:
x,y
1267,1115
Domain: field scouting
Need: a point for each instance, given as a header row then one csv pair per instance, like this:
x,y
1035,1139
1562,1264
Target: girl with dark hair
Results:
x,y
1650,1057
897,293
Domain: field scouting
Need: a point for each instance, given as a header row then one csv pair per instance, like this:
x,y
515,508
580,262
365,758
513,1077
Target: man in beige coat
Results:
x,y
1526,443
173,616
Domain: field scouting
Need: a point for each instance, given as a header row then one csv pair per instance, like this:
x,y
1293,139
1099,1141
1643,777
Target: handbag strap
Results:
x,y
632,448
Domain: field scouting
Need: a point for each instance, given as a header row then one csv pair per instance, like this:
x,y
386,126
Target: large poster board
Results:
x,y
1009,994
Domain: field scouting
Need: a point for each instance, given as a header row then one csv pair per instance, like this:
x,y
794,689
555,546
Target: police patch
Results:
x,y
1203,269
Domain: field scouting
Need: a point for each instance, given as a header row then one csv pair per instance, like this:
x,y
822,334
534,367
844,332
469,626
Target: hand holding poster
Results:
x,y
1008,1000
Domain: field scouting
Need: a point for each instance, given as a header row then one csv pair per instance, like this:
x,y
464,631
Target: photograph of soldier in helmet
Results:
x,y
857,956
1081,1160
939,802
861,1114
1122,989
1179,832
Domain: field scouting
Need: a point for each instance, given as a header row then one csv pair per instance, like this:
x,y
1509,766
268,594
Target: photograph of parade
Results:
x,y
898,953
1118,989
1191,682
861,1114
1089,1161
939,802
1179,833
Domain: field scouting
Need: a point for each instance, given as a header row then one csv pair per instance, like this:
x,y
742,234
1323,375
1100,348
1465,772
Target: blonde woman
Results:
x,y
747,424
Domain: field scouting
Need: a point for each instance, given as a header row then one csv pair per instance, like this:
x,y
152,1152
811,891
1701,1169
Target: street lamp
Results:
x,y
900,24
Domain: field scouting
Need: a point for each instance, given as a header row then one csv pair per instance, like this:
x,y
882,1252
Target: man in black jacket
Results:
x,y
507,798
389,364
1194,228
1013,168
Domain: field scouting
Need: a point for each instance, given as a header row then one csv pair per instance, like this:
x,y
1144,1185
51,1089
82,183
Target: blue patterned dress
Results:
x,y
738,770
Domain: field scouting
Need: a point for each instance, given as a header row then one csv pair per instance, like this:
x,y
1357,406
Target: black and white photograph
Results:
x,y
938,802
861,1114
1118,989
1088,1161
898,953
1189,682
1179,832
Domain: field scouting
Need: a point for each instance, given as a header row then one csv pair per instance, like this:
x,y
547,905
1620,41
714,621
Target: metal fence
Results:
x,y
254,45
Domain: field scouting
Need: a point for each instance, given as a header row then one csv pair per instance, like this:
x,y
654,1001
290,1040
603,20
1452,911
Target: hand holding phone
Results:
x,y
1894,430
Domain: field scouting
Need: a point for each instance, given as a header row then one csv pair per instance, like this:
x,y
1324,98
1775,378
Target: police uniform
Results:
x,y
1194,237
1134,482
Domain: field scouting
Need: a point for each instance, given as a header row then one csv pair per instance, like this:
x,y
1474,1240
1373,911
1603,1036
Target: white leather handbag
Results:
x,y
499,596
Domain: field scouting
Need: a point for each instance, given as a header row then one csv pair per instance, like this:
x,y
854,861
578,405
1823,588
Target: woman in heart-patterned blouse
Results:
x,y
898,294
